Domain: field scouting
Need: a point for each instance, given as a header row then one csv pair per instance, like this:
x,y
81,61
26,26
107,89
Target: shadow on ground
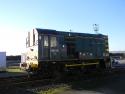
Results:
x,y
14,90
114,84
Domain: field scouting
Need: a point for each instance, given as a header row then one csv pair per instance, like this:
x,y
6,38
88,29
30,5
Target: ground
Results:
x,y
110,85
114,84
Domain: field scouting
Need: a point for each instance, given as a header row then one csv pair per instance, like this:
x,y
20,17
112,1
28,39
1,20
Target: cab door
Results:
x,y
46,47
71,50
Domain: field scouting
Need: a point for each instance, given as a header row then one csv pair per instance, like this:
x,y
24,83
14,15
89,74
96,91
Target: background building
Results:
x,y
117,54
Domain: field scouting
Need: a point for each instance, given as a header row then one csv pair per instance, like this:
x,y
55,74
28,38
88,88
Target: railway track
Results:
x,y
22,80
35,84
25,80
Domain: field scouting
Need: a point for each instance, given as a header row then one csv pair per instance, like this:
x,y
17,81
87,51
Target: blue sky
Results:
x,y
19,16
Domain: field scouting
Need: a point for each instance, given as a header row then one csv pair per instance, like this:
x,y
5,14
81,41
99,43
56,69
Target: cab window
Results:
x,y
53,42
46,42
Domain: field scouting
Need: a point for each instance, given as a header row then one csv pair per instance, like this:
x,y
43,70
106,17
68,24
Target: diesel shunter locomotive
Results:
x,y
50,50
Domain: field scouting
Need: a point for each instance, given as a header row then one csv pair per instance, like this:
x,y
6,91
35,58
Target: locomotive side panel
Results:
x,y
90,48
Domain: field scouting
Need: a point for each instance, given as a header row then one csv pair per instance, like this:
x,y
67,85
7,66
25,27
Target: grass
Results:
x,y
14,69
11,70
57,90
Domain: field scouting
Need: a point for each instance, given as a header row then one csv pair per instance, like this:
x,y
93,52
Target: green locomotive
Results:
x,y
50,50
